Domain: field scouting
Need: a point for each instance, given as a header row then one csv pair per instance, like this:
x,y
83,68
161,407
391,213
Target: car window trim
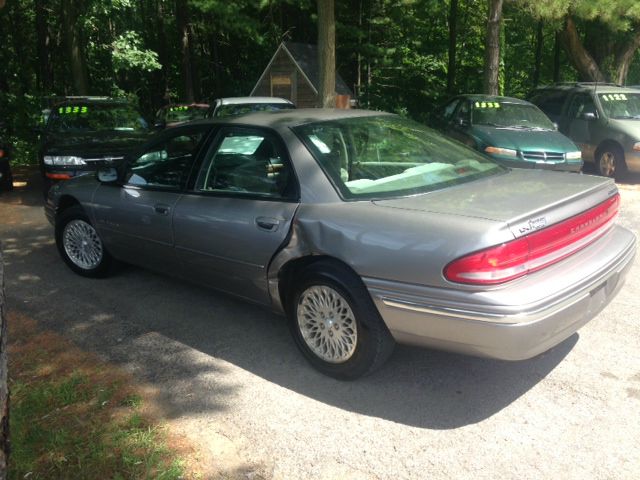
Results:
x,y
215,141
165,136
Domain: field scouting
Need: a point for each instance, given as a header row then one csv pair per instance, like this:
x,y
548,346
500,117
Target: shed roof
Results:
x,y
305,57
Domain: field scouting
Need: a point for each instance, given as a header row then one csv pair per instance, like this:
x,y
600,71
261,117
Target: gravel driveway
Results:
x,y
232,379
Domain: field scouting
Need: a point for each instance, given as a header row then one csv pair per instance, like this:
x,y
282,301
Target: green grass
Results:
x,y
80,420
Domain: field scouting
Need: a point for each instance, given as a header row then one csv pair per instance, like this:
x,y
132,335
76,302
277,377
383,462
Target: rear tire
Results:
x,y
335,324
610,161
80,245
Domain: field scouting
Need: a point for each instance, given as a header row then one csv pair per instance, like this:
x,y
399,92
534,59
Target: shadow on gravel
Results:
x,y
182,338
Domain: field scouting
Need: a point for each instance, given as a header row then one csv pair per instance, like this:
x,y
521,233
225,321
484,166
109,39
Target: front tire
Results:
x,y
80,245
610,161
335,324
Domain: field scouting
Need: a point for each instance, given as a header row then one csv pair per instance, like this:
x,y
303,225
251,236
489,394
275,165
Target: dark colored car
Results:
x,y
603,120
364,228
6,177
175,114
82,132
512,131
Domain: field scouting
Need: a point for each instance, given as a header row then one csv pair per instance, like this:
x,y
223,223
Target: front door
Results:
x,y
135,218
239,213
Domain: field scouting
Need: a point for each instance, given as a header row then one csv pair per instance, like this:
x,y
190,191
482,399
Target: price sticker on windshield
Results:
x,y
486,105
73,110
612,97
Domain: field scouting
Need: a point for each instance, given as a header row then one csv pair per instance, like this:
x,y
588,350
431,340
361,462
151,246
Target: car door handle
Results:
x,y
268,223
161,209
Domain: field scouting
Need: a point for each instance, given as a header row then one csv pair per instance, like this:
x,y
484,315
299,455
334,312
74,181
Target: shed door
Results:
x,y
283,86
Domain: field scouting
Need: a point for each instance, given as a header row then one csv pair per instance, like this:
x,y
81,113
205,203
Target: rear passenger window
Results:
x,y
550,103
247,161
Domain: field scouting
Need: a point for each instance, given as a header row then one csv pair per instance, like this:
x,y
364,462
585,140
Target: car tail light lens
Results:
x,y
1,153
537,250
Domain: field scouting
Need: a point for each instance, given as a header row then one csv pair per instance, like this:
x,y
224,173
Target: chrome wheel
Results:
x,y
327,324
82,244
607,164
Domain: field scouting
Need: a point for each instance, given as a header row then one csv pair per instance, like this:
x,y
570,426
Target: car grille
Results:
x,y
534,156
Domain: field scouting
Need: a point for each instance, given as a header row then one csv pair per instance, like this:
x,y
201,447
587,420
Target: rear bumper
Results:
x,y
517,321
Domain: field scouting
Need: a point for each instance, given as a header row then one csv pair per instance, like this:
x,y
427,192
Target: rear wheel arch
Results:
x,y
294,270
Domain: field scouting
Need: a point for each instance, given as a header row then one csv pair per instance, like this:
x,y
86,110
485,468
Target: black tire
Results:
x,y
374,343
104,262
610,161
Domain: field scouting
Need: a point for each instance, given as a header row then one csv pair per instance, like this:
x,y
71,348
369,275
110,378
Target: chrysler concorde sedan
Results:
x,y
513,132
363,228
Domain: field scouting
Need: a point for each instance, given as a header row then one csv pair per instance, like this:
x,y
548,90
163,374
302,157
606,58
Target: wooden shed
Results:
x,y
293,73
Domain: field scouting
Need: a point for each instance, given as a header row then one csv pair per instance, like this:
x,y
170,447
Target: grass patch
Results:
x,y
74,417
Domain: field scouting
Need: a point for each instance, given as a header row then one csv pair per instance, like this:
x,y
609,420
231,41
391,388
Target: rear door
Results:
x,y
238,213
135,218
581,119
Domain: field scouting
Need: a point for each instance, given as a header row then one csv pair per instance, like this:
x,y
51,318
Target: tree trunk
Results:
x,y
492,48
327,53
4,389
556,58
538,55
581,59
453,38
44,68
74,47
182,21
624,57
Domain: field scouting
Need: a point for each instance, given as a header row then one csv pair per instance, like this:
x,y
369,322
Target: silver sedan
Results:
x,y
363,228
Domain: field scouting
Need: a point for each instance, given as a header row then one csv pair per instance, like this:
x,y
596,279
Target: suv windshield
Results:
x,y
509,115
383,156
84,118
620,105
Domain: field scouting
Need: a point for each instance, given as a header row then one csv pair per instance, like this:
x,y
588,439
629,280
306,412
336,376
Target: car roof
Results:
x,y
477,97
291,117
92,101
244,100
587,87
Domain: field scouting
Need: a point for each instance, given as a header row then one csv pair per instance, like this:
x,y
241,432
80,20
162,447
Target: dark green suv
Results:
x,y
603,120
513,132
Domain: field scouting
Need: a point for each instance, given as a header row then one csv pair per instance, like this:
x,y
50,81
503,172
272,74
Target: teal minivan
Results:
x,y
514,132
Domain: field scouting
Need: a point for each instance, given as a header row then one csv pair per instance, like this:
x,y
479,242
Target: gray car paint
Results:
x,y
399,247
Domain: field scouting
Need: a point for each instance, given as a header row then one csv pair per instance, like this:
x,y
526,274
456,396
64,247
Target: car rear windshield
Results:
x,y
509,115
385,156
185,113
244,108
620,105
84,118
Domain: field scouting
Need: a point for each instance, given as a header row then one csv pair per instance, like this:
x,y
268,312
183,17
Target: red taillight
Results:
x,y
58,176
534,251
1,153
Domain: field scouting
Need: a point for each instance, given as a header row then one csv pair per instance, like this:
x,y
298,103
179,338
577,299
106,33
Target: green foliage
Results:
x,y
128,54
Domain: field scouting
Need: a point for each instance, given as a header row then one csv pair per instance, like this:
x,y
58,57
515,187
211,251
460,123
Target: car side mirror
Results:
x,y
107,175
462,122
588,116
556,126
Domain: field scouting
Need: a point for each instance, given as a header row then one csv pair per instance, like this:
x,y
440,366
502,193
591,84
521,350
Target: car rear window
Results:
x,y
386,155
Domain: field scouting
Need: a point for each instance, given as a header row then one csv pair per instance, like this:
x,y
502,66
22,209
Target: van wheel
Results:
x,y
610,161
335,323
